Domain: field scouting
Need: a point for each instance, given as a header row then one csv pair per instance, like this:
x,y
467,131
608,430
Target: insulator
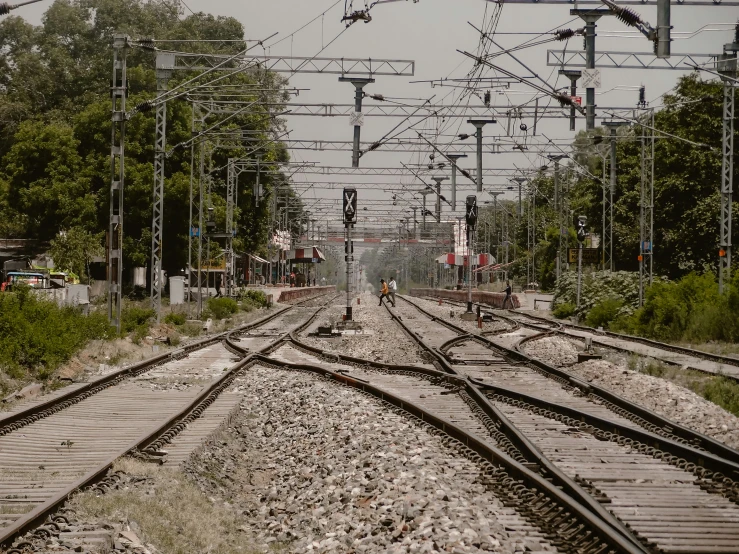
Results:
x,y
379,97
564,34
4,8
642,96
564,100
146,42
628,16
145,106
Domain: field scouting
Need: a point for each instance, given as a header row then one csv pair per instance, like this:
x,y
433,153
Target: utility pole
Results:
x,y
424,193
573,75
613,127
157,224
415,222
471,221
646,211
357,118
438,181
590,75
454,158
727,66
495,216
479,124
118,94
558,204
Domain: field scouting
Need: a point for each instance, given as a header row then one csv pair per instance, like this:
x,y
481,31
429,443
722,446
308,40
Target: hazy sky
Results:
x,y
430,32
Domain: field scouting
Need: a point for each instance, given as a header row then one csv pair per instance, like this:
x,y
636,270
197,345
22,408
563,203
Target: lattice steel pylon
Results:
x,y
157,224
646,204
727,178
231,178
117,150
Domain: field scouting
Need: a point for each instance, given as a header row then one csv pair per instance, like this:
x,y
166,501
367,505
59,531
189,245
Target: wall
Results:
x,y
493,299
302,292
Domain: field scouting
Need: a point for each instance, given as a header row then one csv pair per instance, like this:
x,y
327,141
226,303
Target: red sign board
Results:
x,y
577,100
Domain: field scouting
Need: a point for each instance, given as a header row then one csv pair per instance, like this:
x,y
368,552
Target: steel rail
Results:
x,y
628,338
707,467
655,421
718,358
518,446
531,480
163,433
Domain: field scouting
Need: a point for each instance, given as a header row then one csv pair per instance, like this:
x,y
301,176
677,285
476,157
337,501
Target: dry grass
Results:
x,y
172,513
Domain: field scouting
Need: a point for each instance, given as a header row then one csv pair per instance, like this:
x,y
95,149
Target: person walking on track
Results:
x,y
383,291
393,286
507,298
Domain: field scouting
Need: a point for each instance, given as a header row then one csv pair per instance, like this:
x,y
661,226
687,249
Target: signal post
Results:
x,y
350,218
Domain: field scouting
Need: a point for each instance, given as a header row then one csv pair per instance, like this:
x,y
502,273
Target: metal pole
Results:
x,y
479,124
590,16
359,84
349,264
727,178
604,237
117,157
454,158
470,235
157,220
579,272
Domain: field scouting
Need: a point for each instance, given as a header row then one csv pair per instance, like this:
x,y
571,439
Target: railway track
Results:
x,y
437,400
671,488
697,360
159,409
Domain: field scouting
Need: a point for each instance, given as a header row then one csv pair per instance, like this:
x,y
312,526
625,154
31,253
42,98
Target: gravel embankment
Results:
x,y
554,350
316,467
387,342
668,399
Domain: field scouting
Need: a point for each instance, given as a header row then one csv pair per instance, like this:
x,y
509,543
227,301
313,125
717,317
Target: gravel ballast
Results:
x,y
554,350
668,399
317,467
386,341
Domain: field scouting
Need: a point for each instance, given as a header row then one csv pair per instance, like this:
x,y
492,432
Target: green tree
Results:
x,y
75,249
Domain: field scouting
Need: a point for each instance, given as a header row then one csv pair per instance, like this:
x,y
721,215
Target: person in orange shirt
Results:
x,y
383,291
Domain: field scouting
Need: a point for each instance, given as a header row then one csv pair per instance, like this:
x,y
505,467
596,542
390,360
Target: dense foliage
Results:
x,y
55,120
38,335
686,191
605,292
690,309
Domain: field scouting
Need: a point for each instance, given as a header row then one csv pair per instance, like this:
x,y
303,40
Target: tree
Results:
x,y
75,249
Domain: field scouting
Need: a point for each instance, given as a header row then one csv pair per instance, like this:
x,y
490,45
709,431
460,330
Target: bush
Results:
x,y
136,320
604,312
37,335
254,297
564,310
724,392
597,287
175,319
690,309
221,308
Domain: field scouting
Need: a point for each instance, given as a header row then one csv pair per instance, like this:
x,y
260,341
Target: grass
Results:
x,y
719,389
173,514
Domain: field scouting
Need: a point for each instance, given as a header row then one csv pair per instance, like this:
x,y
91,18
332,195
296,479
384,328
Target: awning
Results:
x,y
257,259
493,267
312,255
459,260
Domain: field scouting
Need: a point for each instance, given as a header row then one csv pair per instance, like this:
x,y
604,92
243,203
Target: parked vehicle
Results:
x,y
29,278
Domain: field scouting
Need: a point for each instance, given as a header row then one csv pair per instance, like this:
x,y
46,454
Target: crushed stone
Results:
x,y
664,397
317,467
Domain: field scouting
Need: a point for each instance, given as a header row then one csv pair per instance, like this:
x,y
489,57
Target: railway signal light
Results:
x,y
350,206
471,212
581,231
